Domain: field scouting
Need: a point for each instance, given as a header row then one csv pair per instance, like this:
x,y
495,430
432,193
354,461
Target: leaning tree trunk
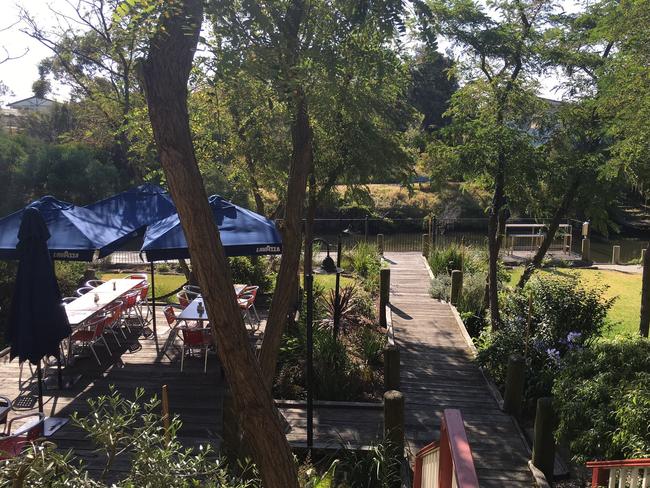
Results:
x,y
284,295
165,74
559,214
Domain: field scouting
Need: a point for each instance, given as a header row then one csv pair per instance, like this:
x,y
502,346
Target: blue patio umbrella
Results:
x,y
243,233
76,233
37,320
133,210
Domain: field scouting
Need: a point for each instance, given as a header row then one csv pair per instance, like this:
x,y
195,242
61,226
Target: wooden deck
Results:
x,y
194,396
437,372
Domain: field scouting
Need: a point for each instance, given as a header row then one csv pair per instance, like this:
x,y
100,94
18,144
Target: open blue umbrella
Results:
x,y
243,233
133,210
76,233
37,320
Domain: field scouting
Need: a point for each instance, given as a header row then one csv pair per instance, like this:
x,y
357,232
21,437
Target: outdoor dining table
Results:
x,y
84,307
191,312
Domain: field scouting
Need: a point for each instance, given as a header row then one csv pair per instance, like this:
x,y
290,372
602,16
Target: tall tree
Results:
x,y
94,53
165,73
500,43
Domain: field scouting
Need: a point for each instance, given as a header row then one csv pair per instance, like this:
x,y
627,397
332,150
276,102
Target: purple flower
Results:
x,y
553,354
573,337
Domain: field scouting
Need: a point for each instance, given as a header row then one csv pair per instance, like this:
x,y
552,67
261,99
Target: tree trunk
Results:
x,y
494,242
644,324
165,74
559,214
301,164
255,187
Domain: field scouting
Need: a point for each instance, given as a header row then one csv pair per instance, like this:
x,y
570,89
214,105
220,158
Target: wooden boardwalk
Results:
x,y
437,372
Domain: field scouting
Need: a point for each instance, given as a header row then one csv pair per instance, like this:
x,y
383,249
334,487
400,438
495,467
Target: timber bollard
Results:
x,y
384,294
544,442
513,396
456,286
425,245
586,249
616,255
380,244
394,429
644,324
391,367
642,256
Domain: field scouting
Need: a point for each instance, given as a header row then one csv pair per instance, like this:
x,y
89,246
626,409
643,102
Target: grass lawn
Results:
x,y
625,287
164,282
328,282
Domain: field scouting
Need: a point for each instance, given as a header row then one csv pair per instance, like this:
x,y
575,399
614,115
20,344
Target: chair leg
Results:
x,y
182,356
256,314
205,361
117,340
95,354
106,344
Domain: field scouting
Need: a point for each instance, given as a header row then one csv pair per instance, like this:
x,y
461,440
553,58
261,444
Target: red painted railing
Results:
x,y
446,463
627,473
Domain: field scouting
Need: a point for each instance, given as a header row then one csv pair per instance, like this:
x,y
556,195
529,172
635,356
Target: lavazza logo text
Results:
x,y
66,254
268,249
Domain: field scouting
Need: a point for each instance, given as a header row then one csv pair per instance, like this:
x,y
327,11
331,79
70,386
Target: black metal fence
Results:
x,y
406,235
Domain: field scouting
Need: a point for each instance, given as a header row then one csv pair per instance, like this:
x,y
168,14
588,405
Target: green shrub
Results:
x,y
370,345
602,398
70,275
129,431
469,259
252,271
565,316
336,376
470,306
364,260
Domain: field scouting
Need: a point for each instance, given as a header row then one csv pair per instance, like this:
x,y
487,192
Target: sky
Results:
x,y
19,74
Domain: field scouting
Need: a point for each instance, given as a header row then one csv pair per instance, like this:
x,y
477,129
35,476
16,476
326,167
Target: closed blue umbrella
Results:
x,y
243,233
37,320
76,233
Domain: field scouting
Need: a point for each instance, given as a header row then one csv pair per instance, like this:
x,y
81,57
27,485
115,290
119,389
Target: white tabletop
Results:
x,y
85,306
191,311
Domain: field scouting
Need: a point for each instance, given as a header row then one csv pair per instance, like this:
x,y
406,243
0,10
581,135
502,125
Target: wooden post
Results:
x,y
384,294
644,324
616,255
586,249
544,442
165,413
380,244
434,232
425,245
513,396
365,229
391,367
394,428
456,286
642,256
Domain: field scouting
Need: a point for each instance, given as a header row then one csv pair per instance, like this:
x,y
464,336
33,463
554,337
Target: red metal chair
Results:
x,y
246,302
185,297
90,334
12,443
83,290
130,309
94,283
195,338
113,316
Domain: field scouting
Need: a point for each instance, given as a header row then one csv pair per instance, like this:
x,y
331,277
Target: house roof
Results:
x,y
34,100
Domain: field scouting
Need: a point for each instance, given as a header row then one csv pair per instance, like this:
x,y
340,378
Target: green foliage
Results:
x,y
8,271
336,376
69,275
376,468
565,316
370,344
602,400
252,271
364,260
469,259
121,428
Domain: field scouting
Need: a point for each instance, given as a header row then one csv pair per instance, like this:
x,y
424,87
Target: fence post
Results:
x,y
514,393
543,442
391,367
425,245
394,430
456,286
616,255
644,324
586,249
380,244
384,294
365,229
